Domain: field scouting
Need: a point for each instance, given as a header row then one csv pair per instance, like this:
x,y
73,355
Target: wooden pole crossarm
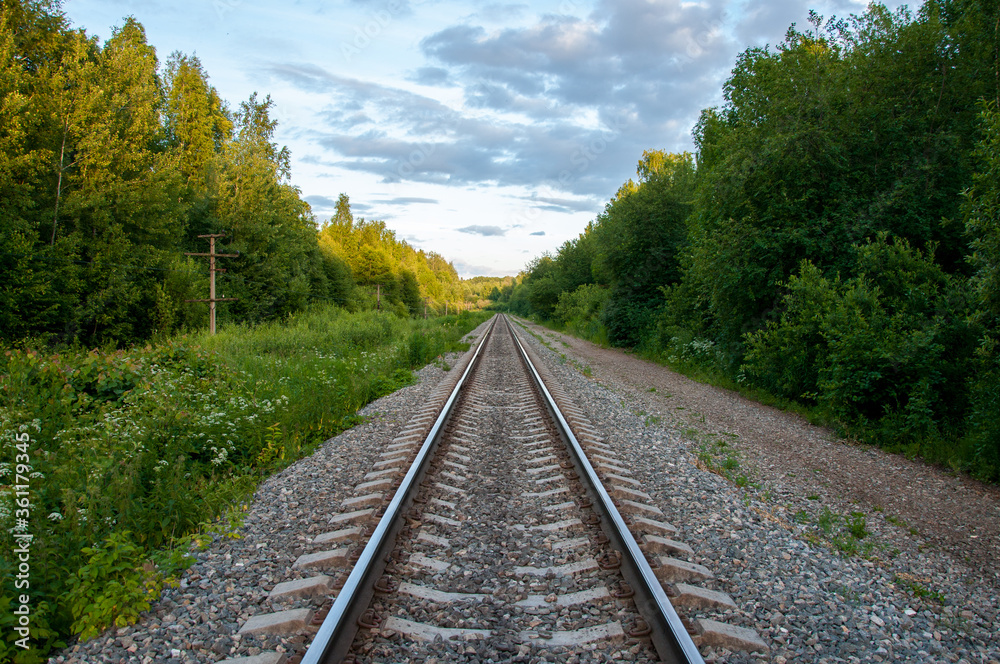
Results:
x,y
211,256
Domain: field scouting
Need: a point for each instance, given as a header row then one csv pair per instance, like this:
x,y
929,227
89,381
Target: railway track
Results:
x,y
498,526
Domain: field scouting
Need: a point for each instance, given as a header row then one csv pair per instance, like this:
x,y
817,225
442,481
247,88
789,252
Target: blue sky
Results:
x,y
484,131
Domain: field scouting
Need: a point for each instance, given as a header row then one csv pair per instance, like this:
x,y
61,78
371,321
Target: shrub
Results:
x,y
113,588
142,447
886,352
580,311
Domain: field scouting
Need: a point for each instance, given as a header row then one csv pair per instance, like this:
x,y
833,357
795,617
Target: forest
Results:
x,y
113,163
129,436
833,243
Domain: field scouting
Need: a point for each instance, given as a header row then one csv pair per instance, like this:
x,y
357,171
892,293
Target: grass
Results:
x,y
917,588
846,534
136,453
718,457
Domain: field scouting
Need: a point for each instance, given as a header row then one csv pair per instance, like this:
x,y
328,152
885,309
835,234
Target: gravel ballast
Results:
x,y
810,602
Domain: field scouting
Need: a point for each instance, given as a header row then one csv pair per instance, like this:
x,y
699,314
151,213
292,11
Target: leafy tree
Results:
x,y
844,131
404,275
271,227
409,292
343,216
638,241
982,221
197,123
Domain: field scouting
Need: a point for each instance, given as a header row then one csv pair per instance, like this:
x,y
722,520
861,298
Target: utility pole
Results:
x,y
378,297
425,308
446,307
211,255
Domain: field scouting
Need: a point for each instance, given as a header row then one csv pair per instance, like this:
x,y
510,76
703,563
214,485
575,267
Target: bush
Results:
x,y
784,358
580,311
113,588
627,320
143,447
886,352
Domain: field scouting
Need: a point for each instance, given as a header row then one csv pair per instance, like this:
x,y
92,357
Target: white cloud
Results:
x,y
448,120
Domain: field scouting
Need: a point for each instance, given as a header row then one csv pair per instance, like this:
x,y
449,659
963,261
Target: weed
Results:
x,y
115,585
827,520
849,594
149,446
718,457
845,544
856,525
917,588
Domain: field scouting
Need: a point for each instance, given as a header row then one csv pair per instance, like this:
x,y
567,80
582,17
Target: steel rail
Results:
x,y
338,630
670,638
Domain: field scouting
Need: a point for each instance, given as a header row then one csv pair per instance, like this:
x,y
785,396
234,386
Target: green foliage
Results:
x,y
110,172
813,153
581,310
783,357
857,525
836,249
639,240
140,449
917,588
113,588
406,278
982,221
888,350
631,251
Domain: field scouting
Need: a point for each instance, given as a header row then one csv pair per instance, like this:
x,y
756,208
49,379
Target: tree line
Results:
x,y
834,240
112,165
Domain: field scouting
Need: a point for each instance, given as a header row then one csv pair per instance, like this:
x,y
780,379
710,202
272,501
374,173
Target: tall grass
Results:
x,y
134,452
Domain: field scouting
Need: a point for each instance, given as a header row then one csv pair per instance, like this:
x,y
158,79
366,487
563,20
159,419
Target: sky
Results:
x,y
486,132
